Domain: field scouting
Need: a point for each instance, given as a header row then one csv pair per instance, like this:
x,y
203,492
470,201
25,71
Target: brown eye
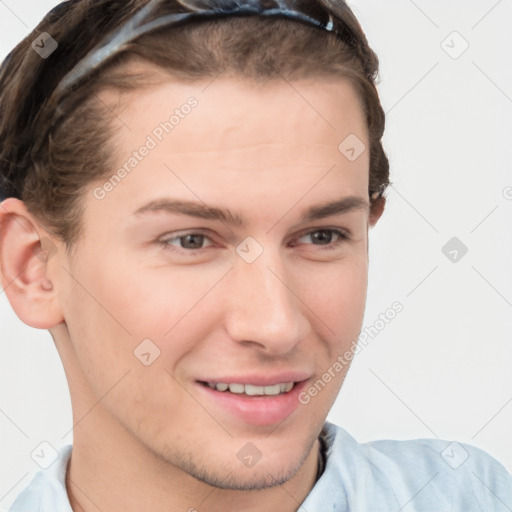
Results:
x,y
194,241
322,237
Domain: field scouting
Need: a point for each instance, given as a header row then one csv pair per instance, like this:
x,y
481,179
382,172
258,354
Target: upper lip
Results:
x,y
260,379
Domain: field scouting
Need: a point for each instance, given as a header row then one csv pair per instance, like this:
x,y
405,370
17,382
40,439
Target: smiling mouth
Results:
x,y
250,390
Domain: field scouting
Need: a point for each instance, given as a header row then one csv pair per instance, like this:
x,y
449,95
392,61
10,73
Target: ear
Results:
x,y
376,211
25,259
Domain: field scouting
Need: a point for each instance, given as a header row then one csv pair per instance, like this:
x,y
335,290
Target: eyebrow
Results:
x,y
203,211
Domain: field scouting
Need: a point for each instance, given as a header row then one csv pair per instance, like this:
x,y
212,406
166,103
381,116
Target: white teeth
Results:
x,y
254,390
272,390
251,390
236,388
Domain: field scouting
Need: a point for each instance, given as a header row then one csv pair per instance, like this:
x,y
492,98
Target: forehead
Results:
x,y
258,138
309,108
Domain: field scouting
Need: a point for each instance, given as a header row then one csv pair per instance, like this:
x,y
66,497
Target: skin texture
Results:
x,y
151,437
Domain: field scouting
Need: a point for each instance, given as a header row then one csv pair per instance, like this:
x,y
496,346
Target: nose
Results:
x,y
262,308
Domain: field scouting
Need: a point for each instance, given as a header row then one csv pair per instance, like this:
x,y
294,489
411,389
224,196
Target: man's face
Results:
x,y
262,299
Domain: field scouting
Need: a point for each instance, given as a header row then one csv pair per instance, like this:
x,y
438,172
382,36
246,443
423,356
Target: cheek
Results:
x,y
336,293
110,313
130,303
141,299
338,302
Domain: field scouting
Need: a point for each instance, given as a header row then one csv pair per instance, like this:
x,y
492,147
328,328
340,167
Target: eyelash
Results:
x,y
342,237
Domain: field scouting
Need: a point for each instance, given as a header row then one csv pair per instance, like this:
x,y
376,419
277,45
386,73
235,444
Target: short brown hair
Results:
x,y
51,181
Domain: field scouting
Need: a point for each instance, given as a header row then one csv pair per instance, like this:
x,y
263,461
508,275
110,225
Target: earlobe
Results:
x,y
24,267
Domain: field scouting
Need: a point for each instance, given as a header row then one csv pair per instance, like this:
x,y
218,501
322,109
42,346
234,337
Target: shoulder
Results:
x,y
46,492
426,472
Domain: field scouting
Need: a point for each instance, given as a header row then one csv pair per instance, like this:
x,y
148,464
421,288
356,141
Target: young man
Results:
x,y
195,237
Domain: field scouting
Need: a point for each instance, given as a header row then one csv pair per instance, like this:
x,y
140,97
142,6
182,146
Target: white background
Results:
x,y
441,368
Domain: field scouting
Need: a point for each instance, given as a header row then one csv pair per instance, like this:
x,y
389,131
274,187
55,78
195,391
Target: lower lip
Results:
x,y
256,410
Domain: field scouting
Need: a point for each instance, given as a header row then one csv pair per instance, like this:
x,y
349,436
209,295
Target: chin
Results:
x,y
244,479
226,469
